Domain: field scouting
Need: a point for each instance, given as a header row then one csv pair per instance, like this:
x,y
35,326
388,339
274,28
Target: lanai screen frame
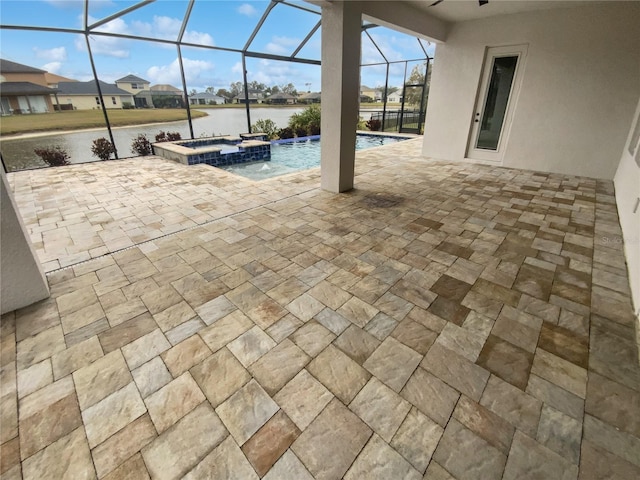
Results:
x,y
90,29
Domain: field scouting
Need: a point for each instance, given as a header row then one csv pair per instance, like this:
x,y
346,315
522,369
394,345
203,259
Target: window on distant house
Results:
x,y
113,99
134,86
97,100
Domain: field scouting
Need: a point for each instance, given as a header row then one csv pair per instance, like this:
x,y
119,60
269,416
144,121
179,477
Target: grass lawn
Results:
x,y
80,119
378,105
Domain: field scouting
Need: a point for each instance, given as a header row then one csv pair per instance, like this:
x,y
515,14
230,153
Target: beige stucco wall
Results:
x,y
88,102
37,78
127,87
22,281
578,94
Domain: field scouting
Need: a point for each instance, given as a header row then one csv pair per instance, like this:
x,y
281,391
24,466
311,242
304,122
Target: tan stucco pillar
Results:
x,y
22,281
341,28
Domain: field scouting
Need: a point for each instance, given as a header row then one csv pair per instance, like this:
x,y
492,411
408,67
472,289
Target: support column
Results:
x,y
22,279
341,30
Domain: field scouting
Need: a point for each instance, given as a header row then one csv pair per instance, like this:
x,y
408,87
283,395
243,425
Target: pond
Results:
x,y
18,152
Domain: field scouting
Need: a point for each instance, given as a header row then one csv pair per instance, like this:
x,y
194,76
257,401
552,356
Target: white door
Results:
x,y
499,87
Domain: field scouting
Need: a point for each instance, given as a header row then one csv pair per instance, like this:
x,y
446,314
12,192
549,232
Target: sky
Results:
x,y
212,22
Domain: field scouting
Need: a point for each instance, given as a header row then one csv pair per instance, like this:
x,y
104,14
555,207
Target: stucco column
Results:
x,y
21,276
341,29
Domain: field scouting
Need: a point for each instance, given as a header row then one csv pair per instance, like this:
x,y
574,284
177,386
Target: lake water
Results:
x,y
18,153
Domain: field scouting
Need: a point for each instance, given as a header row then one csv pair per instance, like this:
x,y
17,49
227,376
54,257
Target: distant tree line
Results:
x,y
237,88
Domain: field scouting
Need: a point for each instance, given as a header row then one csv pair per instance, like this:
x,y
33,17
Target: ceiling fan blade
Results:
x,y
436,3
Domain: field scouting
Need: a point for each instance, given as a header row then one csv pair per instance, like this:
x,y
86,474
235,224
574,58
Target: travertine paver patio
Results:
x,y
440,321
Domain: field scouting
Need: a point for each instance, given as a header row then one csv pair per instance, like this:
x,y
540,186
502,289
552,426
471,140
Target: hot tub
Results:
x,y
217,151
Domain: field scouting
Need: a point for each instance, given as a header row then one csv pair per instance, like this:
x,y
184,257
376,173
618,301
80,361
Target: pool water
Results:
x,y
296,156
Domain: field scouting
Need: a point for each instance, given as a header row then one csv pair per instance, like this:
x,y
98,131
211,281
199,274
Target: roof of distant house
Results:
x,y
206,95
7,66
132,78
164,87
253,95
89,88
309,95
281,96
24,88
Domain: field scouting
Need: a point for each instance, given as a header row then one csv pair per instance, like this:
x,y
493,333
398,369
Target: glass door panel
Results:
x,y
496,102
498,90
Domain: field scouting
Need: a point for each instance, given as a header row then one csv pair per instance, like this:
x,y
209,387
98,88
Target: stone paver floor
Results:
x,y
440,321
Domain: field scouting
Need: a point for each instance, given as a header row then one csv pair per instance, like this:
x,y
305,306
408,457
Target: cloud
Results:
x,y
65,3
197,72
282,45
248,10
276,73
237,68
107,46
56,54
95,4
52,67
160,27
198,38
389,51
168,28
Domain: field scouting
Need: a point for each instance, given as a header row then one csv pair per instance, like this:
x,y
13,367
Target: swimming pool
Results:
x,y
296,156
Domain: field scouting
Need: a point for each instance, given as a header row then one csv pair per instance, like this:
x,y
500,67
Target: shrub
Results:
x,y
374,125
141,145
127,106
307,120
267,126
103,148
168,136
361,124
285,132
53,156
314,130
301,131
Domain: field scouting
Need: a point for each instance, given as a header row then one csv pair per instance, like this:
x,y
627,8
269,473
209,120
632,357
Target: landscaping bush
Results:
x,y
267,126
301,132
307,120
361,124
285,132
374,125
314,130
53,156
168,136
103,148
127,106
141,145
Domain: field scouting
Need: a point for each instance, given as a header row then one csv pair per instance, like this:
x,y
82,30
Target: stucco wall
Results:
x,y
577,97
86,102
627,183
21,279
37,78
